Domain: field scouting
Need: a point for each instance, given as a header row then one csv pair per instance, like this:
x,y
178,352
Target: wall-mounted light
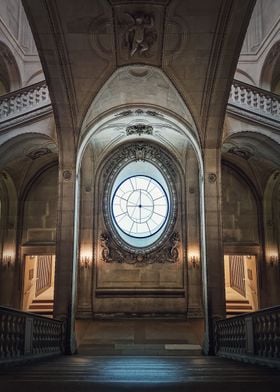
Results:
x,y
85,258
7,260
85,261
274,260
194,261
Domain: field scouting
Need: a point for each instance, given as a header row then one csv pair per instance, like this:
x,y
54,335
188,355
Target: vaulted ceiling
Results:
x,y
195,43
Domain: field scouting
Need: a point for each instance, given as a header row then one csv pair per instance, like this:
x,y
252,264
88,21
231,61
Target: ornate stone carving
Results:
x,y
140,33
67,175
158,157
241,152
212,178
139,129
153,113
38,153
112,253
124,113
140,151
138,112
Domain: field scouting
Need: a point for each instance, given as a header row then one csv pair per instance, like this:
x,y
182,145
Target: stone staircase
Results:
x,y
236,307
78,373
43,307
139,349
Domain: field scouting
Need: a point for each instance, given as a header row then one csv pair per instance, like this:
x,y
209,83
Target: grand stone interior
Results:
x,y
161,99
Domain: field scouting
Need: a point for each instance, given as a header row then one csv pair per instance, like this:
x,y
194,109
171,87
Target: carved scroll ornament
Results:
x,y
112,253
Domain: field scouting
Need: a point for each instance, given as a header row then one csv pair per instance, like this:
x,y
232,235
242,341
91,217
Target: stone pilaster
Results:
x,y
65,279
214,295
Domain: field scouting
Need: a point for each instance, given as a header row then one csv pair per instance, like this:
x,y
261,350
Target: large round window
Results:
x,y
140,206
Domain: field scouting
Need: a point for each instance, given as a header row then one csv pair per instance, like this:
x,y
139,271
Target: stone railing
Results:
x,y
243,97
253,337
255,100
26,335
26,100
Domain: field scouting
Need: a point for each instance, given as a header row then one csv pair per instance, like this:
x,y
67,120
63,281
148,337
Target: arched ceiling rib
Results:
x,y
196,43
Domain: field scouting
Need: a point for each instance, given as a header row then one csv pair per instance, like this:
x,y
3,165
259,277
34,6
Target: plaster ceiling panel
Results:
x,y
89,41
136,85
195,42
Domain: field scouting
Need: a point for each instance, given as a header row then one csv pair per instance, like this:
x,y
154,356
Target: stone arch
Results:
x,y
270,74
10,78
244,77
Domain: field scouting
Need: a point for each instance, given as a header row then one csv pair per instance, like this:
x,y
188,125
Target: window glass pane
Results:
x,y
140,206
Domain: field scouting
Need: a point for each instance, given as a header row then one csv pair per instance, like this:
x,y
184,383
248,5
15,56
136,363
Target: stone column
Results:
x,y
65,276
214,293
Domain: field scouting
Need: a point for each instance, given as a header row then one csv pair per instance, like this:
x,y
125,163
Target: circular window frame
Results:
x,y
164,164
165,220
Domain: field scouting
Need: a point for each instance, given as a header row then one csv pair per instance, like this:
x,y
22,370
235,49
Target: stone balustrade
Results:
x,y
24,101
255,100
26,335
242,96
253,337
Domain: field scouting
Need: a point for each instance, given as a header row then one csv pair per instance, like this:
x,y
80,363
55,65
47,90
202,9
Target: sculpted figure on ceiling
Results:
x,y
141,34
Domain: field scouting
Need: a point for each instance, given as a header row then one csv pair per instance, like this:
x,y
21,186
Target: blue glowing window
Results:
x,y
140,206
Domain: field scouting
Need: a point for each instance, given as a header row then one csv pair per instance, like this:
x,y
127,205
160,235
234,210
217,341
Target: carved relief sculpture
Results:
x,y
139,129
104,243
141,34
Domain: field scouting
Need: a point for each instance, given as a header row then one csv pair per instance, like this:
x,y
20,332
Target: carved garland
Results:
x,y
114,249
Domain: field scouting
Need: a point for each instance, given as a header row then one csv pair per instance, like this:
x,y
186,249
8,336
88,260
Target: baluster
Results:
x,y
268,108
249,94
30,98
255,101
37,95
18,104
242,95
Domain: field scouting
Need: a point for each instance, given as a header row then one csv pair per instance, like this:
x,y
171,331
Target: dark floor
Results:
x,y
86,373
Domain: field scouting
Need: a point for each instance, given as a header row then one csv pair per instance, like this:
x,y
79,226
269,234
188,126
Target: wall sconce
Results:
x,y
194,261
85,258
7,261
274,260
85,261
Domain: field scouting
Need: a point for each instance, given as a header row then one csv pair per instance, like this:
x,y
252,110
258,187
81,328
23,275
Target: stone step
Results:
x,y
141,349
